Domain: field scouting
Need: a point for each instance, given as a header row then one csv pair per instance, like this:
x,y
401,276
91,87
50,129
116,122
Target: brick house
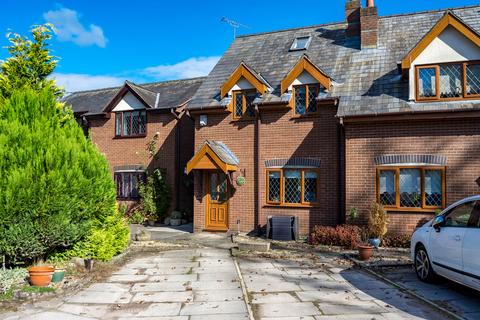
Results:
x,y
314,122
123,121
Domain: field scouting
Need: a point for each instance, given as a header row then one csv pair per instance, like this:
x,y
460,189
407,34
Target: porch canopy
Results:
x,y
213,155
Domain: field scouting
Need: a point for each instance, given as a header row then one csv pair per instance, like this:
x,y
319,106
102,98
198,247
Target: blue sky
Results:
x,y
103,42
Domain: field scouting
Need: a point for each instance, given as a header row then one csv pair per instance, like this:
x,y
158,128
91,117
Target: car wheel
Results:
x,y
423,267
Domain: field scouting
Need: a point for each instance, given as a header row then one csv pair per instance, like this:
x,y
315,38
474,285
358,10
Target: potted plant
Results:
x,y
176,218
40,276
365,250
58,275
377,224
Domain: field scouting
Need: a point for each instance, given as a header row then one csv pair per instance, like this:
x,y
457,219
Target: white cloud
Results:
x,y
69,28
77,82
190,68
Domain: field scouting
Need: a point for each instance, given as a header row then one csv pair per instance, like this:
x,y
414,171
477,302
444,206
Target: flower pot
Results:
x,y
175,222
166,221
151,223
365,252
58,275
375,242
41,276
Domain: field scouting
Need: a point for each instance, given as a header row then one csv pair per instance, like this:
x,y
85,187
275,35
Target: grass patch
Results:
x,y
32,289
190,271
8,295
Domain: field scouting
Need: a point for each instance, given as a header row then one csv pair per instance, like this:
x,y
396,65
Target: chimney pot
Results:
x,y
370,3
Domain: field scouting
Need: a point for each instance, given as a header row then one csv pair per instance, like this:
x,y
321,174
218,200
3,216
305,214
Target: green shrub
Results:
x,y
56,186
9,278
104,241
155,196
136,218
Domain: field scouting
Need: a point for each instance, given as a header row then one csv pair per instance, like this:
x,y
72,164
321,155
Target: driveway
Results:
x,y
292,290
204,283
460,300
182,285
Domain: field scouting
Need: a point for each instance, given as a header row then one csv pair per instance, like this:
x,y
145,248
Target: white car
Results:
x,y
449,245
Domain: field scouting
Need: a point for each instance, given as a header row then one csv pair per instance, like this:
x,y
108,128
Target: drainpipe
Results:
x,y
177,162
341,171
257,173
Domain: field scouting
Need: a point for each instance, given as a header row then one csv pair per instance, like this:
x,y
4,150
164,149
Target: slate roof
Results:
x,y
172,94
367,81
223,152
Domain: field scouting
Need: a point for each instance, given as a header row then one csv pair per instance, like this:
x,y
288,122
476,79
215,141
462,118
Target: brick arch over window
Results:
x,y
439,160
293,162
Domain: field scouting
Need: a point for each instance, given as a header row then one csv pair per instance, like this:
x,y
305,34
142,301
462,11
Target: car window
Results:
x,y
460,215
475,216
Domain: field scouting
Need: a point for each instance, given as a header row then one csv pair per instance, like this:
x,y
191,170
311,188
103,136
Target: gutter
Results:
x,y
257,173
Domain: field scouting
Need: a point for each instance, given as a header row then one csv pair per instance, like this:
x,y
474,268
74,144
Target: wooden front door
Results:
x,y
217,201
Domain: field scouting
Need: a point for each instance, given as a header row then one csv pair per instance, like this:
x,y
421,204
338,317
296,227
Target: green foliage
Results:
x,y
32,289
10,278
105,240
56,186
377,221
155,196
136,218
30,62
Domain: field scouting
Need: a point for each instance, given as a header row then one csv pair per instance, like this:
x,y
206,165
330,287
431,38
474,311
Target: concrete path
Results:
x,y
175,285
289,290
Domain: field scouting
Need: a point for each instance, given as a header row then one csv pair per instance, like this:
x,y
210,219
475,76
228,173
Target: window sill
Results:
x,y
306,116
412,210
291,205
130,137
243,120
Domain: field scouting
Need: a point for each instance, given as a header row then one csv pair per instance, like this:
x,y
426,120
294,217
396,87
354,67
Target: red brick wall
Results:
x,y
132,151
281,136
457,139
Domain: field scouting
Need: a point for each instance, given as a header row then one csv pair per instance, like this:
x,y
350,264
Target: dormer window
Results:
x,y
300,43
243,103
448,81
130,123
305,98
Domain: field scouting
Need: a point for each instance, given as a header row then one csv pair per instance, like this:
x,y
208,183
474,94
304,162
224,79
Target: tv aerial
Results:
x,y
235,25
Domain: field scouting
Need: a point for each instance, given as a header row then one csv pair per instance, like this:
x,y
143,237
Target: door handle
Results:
x,y
458,238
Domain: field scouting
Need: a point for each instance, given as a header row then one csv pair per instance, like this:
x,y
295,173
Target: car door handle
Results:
x,y
457,238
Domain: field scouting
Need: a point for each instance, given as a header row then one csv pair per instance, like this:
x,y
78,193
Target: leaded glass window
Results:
x,y
411,187
310,186
451,81
433,188
427,82
127,183
448,81
306,98
292,187
473,79
243,106
387,188
130,123
274,180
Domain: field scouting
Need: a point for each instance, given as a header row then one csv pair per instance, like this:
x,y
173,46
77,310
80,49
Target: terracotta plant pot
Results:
x,y
365,252
41,276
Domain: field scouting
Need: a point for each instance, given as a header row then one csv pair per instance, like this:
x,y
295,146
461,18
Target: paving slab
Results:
x,y
293,309
127,278
96,311
220,307
276,297
141,297
218,295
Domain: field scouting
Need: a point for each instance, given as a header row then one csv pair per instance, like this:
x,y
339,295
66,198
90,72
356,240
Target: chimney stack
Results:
x,y
369,26
352,16
362,22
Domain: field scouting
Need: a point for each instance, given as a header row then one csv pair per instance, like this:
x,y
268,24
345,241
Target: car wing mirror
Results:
x,y
438,223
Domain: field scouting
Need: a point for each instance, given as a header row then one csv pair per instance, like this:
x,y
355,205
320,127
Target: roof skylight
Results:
x,y
300,43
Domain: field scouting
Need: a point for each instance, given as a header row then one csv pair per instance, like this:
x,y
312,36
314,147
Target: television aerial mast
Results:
x,y
235,25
